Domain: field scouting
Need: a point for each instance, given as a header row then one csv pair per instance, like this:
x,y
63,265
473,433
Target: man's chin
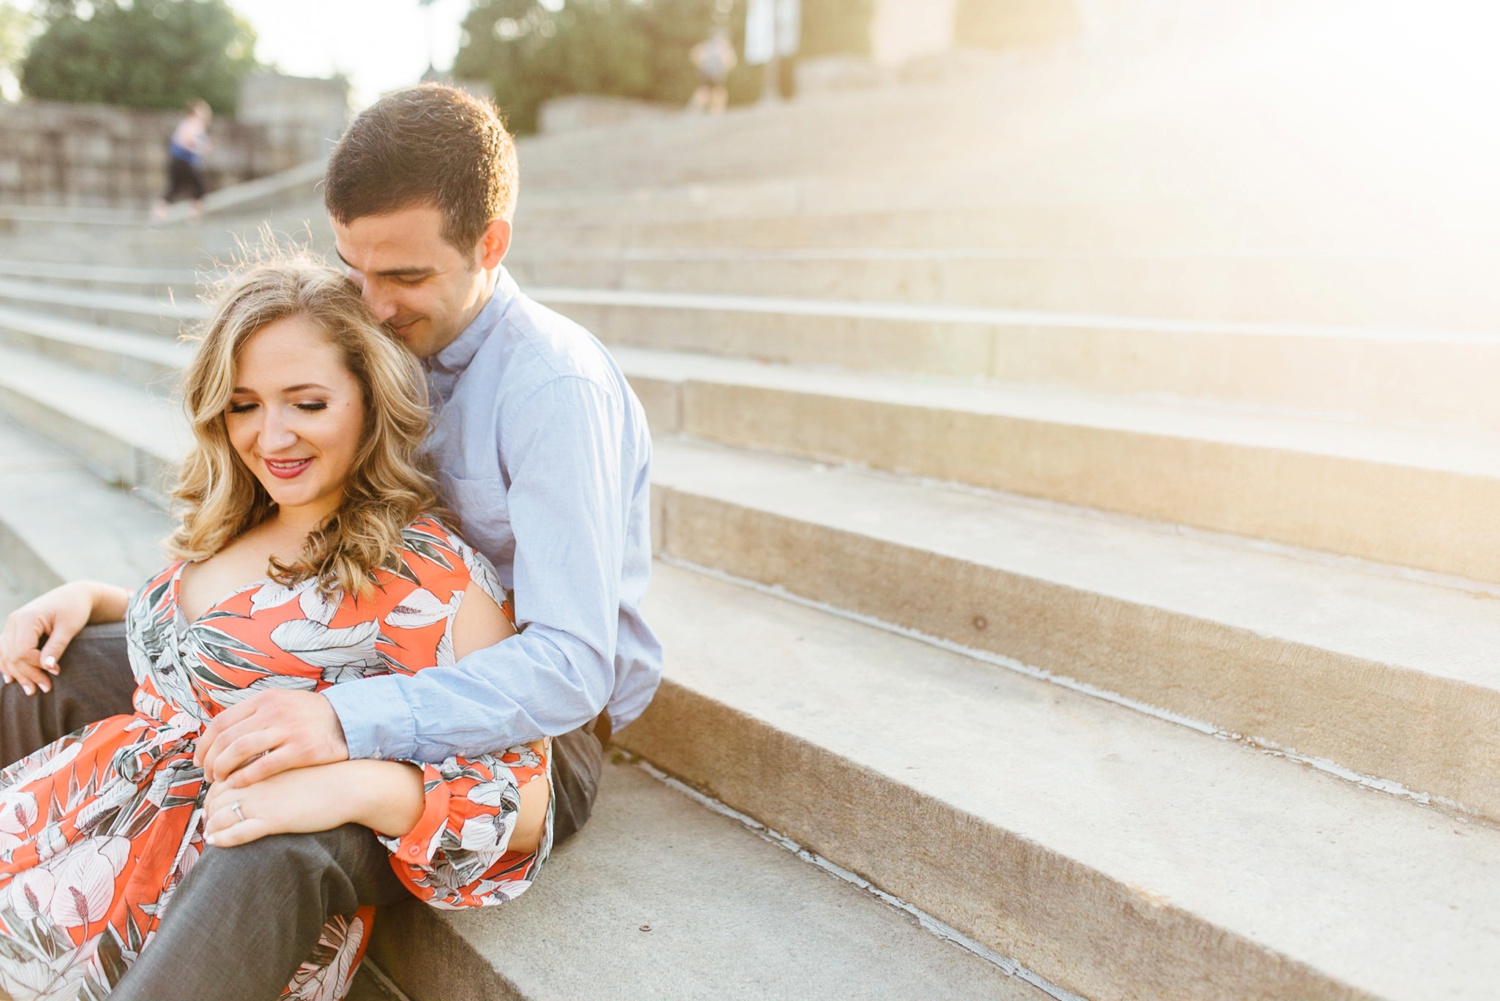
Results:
x,y
406,333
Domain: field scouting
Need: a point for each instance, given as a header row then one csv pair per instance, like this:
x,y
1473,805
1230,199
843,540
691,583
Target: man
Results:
x,y
543,453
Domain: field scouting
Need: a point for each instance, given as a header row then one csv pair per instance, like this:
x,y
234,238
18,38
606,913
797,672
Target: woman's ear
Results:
x,y
494,244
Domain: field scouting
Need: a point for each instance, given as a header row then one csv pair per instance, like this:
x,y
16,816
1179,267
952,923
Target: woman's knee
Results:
x,y
347,864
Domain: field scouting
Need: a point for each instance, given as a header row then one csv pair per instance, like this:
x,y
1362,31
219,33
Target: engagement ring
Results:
x,y
235,806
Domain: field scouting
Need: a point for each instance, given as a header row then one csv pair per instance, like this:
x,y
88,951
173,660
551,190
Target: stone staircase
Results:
x,y
1141,641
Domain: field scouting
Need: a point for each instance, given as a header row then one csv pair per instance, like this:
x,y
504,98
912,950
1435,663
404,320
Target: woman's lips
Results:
x,y
287,468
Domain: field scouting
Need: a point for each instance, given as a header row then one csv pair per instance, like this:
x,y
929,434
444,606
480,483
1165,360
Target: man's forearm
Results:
x,y
538,684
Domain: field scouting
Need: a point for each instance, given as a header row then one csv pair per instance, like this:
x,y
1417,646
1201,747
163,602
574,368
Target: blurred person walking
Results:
x,y
186,149
714,59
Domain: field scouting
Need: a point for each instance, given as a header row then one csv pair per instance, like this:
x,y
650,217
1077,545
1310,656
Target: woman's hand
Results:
x,y
56,617
385,796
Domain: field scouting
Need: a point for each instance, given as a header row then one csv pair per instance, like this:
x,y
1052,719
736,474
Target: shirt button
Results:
x,y
413,851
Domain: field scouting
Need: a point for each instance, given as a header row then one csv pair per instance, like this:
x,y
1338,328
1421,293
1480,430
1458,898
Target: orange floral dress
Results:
x,y
98,829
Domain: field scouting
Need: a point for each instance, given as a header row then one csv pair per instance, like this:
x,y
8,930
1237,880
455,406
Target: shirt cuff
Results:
x,y
376,717
419,846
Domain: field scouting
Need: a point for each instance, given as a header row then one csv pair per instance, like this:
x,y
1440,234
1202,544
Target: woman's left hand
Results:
x,y
296,801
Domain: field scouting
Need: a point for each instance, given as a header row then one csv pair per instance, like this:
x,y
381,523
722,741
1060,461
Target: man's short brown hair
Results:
x,y
428,145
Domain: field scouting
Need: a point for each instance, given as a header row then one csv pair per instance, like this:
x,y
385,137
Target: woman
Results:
x,y
307,555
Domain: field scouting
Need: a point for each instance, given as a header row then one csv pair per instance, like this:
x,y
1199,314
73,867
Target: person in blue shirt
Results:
x,y
186,149
542,451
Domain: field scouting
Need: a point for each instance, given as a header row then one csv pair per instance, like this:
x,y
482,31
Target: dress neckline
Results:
x,y
177,593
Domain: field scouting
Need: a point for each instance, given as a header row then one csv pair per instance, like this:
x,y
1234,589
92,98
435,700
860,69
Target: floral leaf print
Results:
x,y
496,793
428,551
273,594
218,641
18,812
38,980
320,646
148,704
318,607
481,571
399,568
488,833
280,682
167,675
85,881
327,973
352,672
30,894
52,765
419,608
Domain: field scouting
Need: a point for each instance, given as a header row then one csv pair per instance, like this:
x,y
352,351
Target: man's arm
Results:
x,y
567,511
567,505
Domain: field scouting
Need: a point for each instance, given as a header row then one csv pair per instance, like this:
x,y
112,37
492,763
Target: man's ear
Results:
x,y
494,243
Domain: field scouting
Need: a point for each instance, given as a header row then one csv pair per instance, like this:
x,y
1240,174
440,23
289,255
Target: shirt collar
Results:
x,y
454,358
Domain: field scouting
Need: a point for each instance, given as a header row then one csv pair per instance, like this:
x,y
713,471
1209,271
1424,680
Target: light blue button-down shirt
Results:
x,y
544,454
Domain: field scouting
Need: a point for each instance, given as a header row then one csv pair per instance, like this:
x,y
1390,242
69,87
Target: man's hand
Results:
x,y
56,616
278,730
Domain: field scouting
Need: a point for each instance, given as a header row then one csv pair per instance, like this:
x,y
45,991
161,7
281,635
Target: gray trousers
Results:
x,y
245,918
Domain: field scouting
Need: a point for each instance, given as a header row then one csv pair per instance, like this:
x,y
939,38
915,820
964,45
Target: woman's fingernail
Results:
x,y
209,838
44,686
49,662
29,689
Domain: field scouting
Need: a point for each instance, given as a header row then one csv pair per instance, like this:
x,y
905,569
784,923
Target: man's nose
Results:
x,y
382,306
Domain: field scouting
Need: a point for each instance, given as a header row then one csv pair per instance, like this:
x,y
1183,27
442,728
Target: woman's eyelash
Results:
x,y
311,406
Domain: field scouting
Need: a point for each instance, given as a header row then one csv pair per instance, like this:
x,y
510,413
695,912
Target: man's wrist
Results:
x,y
374,717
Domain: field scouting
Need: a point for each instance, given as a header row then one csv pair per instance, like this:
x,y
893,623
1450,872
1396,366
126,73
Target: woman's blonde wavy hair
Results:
x,y
389,484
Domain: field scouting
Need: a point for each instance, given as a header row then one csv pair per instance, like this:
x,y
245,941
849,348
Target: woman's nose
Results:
x,y
276,433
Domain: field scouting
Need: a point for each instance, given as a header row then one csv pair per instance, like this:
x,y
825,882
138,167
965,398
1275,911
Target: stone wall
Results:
x,y
86,155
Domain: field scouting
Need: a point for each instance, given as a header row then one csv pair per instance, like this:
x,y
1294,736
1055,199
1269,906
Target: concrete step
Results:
x,y
681,902
659,898
147,313
1369,374
148,360
1409,496
60,522
160,283
1286,287
1359,667
123,433
1116,855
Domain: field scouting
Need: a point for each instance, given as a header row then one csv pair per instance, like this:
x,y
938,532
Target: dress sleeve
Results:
x,y
458,853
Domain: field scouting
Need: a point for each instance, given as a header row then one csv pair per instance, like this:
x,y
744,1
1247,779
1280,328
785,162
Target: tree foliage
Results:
x,y
15,24
532,50
146,54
